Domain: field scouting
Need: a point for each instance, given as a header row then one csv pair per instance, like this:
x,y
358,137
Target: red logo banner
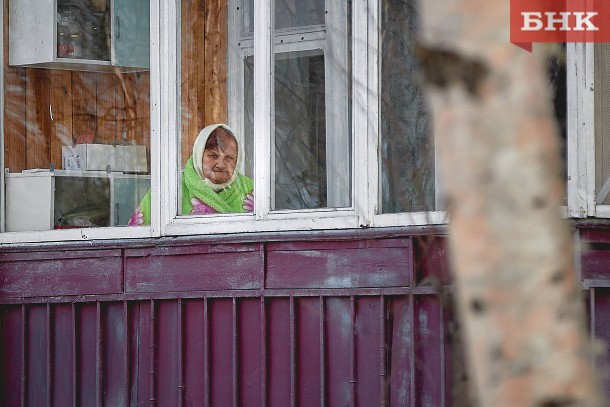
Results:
x,y
559,21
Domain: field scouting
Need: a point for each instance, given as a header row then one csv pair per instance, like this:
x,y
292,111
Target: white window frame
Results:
x,y
365,129
581,191
159,45
165,130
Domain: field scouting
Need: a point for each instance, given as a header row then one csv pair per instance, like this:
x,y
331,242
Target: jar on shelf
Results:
x,y
69,34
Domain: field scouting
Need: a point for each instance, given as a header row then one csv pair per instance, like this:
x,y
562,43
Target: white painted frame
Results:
x,y
378,219
581,131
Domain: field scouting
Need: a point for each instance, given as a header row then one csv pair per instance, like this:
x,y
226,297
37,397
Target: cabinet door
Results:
x,y
131,27
29,202
31,35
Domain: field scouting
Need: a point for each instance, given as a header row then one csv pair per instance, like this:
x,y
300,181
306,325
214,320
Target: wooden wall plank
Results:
x,y
128,98
38,118
191,19
61,108
123,90
106,104
142,100
84,88
215,65
14,110
14,119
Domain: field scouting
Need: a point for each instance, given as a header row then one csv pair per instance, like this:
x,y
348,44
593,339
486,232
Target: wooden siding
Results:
x,y
203,86
46,109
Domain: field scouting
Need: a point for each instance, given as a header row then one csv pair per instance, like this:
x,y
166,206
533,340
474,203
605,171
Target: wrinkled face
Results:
x,y
219,162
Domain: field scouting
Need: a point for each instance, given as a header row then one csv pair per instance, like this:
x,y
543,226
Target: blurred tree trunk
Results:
x,y
517,293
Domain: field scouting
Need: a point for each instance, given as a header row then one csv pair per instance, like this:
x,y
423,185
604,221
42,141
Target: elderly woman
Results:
x,y
211,182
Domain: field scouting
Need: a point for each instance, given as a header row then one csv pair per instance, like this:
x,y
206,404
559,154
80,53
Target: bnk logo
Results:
x,y
559,21
562,21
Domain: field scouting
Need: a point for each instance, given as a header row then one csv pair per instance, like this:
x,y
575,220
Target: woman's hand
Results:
x,y
249,202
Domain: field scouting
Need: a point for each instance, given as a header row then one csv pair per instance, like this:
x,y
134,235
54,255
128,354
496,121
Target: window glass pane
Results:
x,y
249,113
406,148
602,123
298,13
76,113
311,157
215,173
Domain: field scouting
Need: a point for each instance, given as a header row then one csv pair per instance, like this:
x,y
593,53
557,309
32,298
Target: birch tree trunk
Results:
x,y
517,294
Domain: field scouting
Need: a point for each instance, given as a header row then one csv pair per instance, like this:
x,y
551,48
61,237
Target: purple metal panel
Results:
x,y
278,325
376,263
37,356
250,361
11,356
400,351
168,356
133,333
194,351
263,351
310,347
63,355
221,354
368,338
601,330
595,264
87,344
595,235
197,268
114,340
427,325
308,351
432,260
339,336
60,274
448,357
142,353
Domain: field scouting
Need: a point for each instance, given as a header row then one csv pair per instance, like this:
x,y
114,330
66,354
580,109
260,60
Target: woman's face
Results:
x,y
219,162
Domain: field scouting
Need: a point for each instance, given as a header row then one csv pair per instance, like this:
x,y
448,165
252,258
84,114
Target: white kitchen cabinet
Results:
x,y
46,200
94,35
